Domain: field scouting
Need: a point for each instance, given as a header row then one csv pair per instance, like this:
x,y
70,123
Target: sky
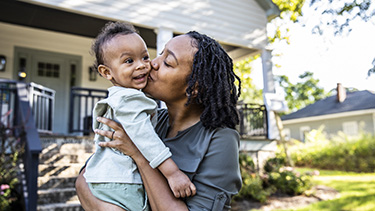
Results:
x,y
343,59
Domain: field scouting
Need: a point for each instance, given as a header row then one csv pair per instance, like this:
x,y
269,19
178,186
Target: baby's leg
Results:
x,y
112,207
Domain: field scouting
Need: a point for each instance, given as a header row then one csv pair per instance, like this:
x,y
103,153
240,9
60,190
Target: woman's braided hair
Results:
x,y
213,77
109,31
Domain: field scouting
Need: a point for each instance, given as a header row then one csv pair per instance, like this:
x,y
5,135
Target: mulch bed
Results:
x,y
283,201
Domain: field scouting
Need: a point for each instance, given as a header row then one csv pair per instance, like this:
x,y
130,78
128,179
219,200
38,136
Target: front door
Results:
x,y
55,71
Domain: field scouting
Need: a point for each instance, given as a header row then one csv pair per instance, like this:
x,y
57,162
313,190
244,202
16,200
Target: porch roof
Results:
x,y
75,21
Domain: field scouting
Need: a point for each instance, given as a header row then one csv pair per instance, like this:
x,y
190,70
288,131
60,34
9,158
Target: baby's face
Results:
x,y
127,59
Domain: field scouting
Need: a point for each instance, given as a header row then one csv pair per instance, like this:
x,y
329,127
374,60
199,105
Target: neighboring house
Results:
x,y
49,41
350,113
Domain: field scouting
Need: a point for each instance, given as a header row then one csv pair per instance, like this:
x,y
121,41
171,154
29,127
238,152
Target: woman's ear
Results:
x,y
194,93
104,72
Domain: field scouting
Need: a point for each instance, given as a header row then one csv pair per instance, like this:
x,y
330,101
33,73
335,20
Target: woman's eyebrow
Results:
x,y
174,56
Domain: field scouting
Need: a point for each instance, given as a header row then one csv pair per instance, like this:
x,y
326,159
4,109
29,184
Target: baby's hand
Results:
x,y
181,185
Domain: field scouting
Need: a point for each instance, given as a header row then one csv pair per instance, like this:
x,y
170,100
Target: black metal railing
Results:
x,y
253,117
82,102
18,115
253,121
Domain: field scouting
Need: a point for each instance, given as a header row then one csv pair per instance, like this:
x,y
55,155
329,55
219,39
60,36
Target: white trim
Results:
x,y
330,116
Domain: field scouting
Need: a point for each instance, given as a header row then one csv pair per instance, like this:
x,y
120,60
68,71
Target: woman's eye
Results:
x,y
128,61
166,64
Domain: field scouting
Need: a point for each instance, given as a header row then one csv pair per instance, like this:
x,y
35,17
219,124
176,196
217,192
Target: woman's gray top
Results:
x,y
209,158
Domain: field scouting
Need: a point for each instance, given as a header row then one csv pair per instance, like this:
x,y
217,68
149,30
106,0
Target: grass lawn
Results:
x,y
357,191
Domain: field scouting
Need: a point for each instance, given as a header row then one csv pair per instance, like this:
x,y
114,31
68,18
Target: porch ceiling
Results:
x,y
31,15
36,16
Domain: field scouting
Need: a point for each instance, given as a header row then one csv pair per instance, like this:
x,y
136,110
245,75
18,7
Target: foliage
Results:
x,y
276,178
290,10
249,93
340,15
286,179
339,153
11,150
252,183
302,93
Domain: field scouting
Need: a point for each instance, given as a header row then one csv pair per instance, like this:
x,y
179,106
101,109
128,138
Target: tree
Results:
x,y
303,93
249,93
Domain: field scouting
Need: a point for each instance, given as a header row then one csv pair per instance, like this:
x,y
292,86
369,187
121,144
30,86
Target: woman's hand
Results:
x,y
120,140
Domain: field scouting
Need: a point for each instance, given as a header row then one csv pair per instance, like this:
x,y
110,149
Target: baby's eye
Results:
x,y
129,61
146,58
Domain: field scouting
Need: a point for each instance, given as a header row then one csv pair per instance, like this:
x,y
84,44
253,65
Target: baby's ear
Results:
x,y
104,72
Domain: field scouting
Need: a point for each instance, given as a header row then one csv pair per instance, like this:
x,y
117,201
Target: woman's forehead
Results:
x,y
181,46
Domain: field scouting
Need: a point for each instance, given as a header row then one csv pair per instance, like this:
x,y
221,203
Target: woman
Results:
x,y
194,77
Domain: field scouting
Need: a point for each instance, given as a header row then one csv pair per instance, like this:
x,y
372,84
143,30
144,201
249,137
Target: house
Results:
x,y
347,112
48,42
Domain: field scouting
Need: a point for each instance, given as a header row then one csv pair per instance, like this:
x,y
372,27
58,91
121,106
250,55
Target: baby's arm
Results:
x,y
179,183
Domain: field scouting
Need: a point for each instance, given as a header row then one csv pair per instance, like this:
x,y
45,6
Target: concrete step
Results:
x,y
57,195
72,206
45,183
61,170
59,165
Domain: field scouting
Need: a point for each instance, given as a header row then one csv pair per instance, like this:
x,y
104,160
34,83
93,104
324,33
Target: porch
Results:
x,y
28,109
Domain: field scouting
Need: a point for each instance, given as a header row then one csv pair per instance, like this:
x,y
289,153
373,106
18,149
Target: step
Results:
x,y
56,182
57,195
68,170
59,164
72,206
62,158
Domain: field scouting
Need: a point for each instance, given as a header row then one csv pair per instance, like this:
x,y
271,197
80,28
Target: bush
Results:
x,y
252,184
276,178
342,154
10,151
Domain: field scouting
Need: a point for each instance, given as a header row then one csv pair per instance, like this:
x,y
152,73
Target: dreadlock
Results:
x,y
109,31
212,75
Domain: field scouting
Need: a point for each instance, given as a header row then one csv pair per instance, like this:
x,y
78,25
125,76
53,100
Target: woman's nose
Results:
x,y
154,64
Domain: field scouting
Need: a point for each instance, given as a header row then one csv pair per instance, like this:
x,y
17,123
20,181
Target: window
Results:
x,y
48,70
350,128
302,131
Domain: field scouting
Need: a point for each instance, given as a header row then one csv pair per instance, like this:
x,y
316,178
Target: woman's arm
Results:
x,y
157,188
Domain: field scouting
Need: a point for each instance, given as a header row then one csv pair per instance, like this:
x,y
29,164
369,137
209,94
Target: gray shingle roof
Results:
x,y
355,101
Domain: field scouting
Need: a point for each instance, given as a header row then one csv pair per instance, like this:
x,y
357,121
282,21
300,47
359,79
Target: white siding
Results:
x,y
14,35
240,22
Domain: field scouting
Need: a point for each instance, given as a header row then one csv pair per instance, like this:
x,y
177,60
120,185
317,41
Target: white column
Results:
x,y
163,35
268,80
269,87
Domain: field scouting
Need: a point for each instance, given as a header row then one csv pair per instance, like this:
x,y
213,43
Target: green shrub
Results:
x,y
276,178
10,151
252,184
340,153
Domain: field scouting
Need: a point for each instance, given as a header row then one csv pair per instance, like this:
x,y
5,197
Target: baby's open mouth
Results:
x,y
140,76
